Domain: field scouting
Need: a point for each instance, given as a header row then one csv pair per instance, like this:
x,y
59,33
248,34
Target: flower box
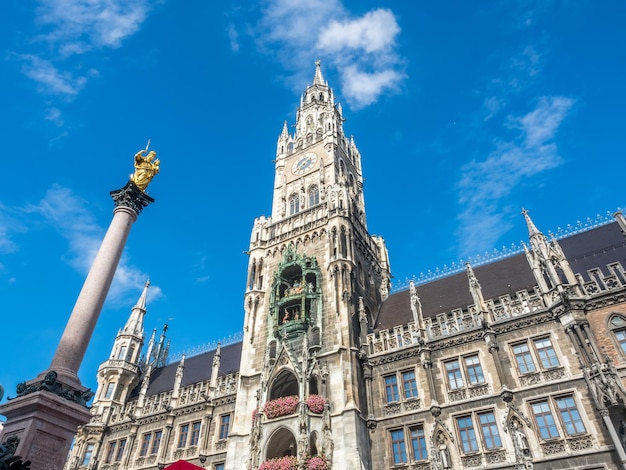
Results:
x,y
315,403
317,463
281,407
280,463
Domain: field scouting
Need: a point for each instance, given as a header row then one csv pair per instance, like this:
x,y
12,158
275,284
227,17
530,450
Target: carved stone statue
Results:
x,y
443,452
145,168
519,438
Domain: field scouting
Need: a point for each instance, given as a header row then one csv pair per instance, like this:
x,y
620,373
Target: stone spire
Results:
x,y
134,325
532,230
318,79
475,289
178,380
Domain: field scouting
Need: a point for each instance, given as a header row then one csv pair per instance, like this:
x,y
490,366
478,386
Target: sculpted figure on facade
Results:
x,y
442,451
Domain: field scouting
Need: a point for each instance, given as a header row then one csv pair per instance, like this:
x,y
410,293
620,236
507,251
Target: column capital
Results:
x,y
132,197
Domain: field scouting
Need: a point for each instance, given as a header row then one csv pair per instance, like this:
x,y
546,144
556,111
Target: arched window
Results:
x,y
122,353
314,196
284,385
282,443
617,325
294,204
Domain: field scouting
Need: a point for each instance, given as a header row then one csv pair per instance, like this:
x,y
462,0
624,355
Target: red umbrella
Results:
x,y
182,465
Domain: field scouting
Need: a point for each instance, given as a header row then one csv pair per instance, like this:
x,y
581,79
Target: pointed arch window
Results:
x,y
617,325
294,204
122,352
314,196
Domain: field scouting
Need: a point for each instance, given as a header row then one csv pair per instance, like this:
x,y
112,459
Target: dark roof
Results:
x,y
197,369
594,248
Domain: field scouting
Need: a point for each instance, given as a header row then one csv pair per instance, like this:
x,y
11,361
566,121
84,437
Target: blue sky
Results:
x,y
463,114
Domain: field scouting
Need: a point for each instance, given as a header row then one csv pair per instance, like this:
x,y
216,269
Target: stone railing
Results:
x,y
601,283
121,364
316,216
387,340
157,403
520,303
454,322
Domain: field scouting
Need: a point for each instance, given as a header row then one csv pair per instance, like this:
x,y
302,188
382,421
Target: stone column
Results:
x,y
48,409
69,355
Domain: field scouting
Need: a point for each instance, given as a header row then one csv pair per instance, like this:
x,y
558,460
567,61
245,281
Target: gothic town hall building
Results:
x,y
514,364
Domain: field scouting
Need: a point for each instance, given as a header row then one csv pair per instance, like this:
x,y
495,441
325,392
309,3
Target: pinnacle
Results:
x,y
318,79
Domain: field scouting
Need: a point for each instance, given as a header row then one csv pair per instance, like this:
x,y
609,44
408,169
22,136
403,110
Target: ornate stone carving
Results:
x,y
580,443
413,404
554,374
530,379
132,197
472,461
456,395
220,446
498,456
553,447
392,409
479,390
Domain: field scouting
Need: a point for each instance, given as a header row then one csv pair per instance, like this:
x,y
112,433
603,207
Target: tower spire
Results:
x,y
134,325
532,229
318,79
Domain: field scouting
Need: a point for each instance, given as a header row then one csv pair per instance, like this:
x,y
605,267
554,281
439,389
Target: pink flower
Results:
x,y
315,403
316,463
281,406
280,463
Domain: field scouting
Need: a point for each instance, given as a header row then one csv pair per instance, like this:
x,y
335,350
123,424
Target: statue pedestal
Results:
x,y
45,424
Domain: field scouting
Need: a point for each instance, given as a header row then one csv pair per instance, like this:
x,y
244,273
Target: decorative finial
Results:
x,y
145,168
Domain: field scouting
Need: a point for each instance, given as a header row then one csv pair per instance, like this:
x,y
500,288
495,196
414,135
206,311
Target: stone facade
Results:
x,y
513,364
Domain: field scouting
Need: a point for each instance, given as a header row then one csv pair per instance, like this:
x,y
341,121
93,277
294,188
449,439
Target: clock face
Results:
x,y
303,163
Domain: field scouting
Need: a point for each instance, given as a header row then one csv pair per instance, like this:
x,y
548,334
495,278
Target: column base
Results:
x,y
45,425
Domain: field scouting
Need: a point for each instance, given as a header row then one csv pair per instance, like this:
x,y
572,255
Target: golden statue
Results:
x,y
145,168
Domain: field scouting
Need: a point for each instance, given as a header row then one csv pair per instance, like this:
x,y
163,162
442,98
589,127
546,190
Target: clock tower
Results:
x,y
315,279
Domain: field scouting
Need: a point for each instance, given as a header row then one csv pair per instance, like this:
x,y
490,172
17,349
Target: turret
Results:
x,y
118,375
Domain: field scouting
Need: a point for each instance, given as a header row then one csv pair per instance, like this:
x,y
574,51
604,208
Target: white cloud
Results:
x,y
375,31
76,26
361,48
9,225
233,37
362,89
70,216
49,78
485,184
